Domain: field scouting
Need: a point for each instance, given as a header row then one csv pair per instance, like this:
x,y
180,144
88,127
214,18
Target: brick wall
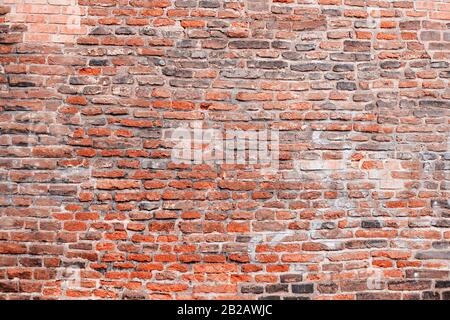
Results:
x,y
98,200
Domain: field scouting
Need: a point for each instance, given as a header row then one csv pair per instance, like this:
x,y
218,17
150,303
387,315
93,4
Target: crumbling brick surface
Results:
x,y
98,200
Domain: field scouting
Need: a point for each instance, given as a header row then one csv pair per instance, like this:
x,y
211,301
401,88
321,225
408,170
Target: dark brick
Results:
x,y
100,31
346,86
252,289
327,288
409,285
442,284
371,224
271,64
305,47
303,288
390,64
426,255
125,31
378,296
275,288
427,274
430,295
357,46
308,67
269,298
281,44
209,4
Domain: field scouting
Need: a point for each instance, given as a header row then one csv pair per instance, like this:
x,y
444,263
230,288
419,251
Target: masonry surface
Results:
x,y
93,204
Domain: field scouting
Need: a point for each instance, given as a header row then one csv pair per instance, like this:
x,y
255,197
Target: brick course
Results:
x,y
94,205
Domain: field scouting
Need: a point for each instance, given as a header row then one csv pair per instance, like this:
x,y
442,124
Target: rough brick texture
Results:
x,y
358,91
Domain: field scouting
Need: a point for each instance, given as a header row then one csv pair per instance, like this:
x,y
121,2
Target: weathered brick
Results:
x,y
303,288
353,96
